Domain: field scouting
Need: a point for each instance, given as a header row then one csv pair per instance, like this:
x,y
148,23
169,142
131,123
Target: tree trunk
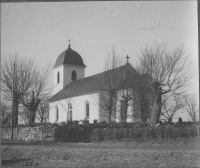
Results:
x,y
3,116
32,111
142,112
169,120
109,117
16,108
156,108
110,107
123,112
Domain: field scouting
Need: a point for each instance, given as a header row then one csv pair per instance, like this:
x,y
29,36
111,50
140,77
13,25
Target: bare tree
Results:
x,y
42,113
33,95
21,78
108,84
191,107
141,92
28,79
5,113
136,92
126,98
169,72
24,115
142,103
171,104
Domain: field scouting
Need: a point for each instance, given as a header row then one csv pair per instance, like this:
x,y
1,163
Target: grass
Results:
x,y
99,158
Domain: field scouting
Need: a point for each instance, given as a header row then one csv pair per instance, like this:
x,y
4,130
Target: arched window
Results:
x,y
58,77
73,75
70,112
57,113
87,110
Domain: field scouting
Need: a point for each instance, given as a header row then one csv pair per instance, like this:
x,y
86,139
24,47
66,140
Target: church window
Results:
x,y
57,114
58,77
87,110
70,112
74,75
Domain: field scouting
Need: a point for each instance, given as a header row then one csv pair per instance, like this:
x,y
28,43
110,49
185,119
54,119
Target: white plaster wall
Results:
x,y
58,86
80,73
130,113
118,113
79,112
65,76
78,108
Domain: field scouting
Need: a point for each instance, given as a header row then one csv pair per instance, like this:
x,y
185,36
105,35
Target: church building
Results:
x,y
77,97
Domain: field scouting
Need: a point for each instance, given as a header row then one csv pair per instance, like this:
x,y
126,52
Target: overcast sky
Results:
x,y
42,30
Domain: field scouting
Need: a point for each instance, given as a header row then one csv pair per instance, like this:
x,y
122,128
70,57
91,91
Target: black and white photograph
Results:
x,y
100,84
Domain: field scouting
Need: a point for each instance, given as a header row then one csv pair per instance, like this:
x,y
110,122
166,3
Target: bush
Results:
x,y
69,122
97,135
85,121
131,133
95,121
62,123
73,134
103,122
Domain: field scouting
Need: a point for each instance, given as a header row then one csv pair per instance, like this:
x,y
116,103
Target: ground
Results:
x,y
104,154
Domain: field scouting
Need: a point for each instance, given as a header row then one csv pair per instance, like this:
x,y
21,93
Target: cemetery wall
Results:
x,y
39,133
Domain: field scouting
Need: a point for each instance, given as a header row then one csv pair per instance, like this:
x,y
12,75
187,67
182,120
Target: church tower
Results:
x,y
69,67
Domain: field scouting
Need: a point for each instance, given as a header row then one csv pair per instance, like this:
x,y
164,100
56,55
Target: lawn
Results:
x,y
63,157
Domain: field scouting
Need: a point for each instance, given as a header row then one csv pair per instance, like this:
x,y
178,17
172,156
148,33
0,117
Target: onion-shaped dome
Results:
x,y
69,57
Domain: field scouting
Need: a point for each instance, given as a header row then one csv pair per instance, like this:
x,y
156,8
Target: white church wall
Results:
x,y
62,112
58,86
80,72
78,108
118,111
130,113
65,76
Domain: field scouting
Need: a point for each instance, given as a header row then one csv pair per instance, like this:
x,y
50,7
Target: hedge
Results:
x,y
143,133
120,131
130,132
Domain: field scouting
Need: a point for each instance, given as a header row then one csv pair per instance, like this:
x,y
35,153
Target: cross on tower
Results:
x,y
127,57
69,42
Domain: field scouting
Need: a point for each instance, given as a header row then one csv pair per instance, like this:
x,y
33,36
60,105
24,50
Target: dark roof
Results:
x,y
96,82
69,57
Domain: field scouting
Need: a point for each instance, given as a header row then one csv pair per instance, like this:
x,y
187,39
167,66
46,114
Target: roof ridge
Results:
x,y
94,75
89,84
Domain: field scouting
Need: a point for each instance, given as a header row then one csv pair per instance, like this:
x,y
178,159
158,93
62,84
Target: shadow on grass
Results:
x,y
16,162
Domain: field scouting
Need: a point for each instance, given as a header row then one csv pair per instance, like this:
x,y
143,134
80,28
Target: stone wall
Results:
x,y
39,133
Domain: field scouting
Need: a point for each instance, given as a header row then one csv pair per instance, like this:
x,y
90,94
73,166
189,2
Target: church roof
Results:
x,y
69,57
99,81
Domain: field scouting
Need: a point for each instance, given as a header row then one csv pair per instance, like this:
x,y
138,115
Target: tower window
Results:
x,y
58,77
73,75
87,110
